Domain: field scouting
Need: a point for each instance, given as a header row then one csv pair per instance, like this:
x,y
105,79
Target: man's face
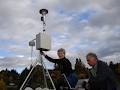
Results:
x,y
61,55
91,60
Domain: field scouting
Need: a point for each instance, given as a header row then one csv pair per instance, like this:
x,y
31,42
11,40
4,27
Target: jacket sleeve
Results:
x,y
51,59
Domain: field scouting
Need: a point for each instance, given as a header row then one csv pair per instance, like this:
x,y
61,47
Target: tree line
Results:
x,y
12,80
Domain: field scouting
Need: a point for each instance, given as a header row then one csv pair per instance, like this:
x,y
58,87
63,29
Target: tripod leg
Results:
x,y
28,76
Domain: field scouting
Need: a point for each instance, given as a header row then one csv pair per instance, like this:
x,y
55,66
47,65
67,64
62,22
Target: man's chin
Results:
x,y
61,57
91,65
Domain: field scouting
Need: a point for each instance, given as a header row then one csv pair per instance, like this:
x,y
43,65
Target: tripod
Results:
x,y
40,38
45,71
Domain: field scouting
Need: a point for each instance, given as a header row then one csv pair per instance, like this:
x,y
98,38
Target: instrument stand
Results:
x,y
45,72
43,43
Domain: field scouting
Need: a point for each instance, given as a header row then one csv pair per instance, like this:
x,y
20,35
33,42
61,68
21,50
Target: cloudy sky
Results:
x,y
79,26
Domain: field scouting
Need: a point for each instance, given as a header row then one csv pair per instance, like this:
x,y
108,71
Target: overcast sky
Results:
x,y
79,26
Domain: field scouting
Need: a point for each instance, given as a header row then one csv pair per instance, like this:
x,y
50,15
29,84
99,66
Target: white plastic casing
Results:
x,y
43,42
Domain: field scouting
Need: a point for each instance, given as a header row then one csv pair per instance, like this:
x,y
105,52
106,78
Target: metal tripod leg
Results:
x,y
28,76
68,82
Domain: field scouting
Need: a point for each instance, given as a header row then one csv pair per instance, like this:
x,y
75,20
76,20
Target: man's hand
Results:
x,y
42,53
86,85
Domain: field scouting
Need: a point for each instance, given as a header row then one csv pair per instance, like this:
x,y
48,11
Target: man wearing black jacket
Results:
x,y
101,76
64,66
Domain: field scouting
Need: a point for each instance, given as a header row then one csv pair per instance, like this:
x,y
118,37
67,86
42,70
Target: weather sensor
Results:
x,y
43,42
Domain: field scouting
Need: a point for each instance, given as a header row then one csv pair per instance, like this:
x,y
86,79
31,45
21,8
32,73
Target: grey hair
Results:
x,y
92,54
61,50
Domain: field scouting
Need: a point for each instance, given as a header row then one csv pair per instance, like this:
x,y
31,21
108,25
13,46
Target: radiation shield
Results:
x,y
43,42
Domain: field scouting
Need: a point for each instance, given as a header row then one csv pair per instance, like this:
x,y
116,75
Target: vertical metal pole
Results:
x,y
31,54
50,77
41,61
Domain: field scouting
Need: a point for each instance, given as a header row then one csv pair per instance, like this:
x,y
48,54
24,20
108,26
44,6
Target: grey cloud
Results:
x,y
14,62
109,15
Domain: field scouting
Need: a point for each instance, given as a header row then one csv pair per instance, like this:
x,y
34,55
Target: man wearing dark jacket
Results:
x,y
64,66
101,76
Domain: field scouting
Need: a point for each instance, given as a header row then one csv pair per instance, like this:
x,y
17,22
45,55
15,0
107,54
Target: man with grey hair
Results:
x,y
101,76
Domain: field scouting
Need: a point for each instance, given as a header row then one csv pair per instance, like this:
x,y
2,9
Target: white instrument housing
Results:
x,y
43,42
